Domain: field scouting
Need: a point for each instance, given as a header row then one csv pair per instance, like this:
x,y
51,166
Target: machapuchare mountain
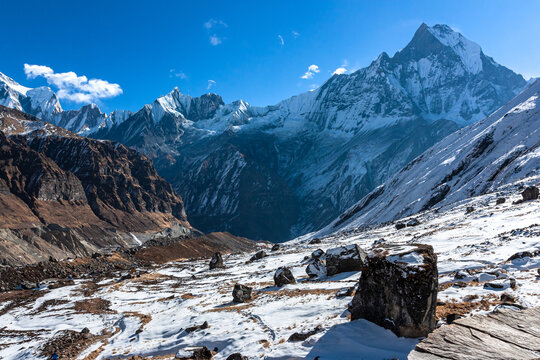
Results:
x,y
64,195
502,149
278,171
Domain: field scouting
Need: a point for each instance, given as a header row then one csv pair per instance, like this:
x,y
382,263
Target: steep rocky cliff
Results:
x,y
65,195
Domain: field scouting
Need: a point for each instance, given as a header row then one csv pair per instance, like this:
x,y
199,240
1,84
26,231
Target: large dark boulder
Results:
x,y
398,290
242,293
530,193
284,276
345,258
258,255
216,261
316,268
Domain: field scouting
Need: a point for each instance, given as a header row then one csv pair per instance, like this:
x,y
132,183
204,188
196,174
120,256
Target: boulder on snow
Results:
x,y
242,293
275,247
398,289
317,254
316,268
400,226
203,326
500,201
469,209
195,353
237,356
258,255
216,261
297,337
284,276
345,258
530,193
413,222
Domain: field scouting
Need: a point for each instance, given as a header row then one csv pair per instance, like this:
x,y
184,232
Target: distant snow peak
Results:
x,y
468,51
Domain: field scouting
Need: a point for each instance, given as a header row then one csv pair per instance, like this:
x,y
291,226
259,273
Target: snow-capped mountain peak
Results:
x,y
467,50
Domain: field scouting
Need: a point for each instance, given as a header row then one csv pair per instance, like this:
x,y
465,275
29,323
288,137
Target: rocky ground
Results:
x,y
488,257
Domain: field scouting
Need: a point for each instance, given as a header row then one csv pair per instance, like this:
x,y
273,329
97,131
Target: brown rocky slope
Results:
x,y
65,195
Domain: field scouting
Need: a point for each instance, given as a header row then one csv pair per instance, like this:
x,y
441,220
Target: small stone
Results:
x,y
490,285
507,298
346,292
242,293
258,255
317,254
52,259
513,284
413,222
500,201
315,241
237,356
297,337
203,326
284,276
530,193
216,261
450,318
275,247
469,209
400,226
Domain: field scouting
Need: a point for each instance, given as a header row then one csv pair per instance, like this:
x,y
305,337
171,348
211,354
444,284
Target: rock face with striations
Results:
x,y
398,290
65,195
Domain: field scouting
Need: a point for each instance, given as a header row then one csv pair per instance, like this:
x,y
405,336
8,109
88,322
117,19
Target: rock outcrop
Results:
x,y
398,290
65,195
216,261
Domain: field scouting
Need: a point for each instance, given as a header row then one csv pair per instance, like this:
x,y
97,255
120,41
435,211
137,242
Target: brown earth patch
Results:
x,y
19,298
466,307
93,306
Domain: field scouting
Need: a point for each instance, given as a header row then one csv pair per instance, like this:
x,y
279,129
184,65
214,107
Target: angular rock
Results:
x,y
284,276
237,356
507,298
345,258
469,209
316,268
297,337
450,318
276,247
530,193
315,241
500,201
398,290
413,222
195,353
242,293
400,226
216,261
258,255
317,254
203,326
346,292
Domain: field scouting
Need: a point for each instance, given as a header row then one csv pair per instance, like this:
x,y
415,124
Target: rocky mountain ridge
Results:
x,y
279,171
64,195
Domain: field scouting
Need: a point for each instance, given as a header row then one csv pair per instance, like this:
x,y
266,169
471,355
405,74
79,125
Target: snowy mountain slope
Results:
x,y
149,315
498,150
327,148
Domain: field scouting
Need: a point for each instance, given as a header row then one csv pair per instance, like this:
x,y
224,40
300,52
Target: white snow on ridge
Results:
x,y
149,314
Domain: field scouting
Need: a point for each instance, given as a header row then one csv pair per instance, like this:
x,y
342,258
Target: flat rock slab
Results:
x,y
506,334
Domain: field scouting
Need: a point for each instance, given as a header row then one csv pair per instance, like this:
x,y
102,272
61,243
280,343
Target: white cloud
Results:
x,y
214,23
339,71
312,70
295,34
281,40
72,86
211,84
213,26
178,74
215,40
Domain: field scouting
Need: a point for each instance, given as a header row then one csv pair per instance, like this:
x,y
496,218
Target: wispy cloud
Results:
x,y
281,41
211,84
213,27
178,74
72,86
215,40
295,34
312,70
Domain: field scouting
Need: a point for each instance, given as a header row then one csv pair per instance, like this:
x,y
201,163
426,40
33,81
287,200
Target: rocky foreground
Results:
x,y
295,300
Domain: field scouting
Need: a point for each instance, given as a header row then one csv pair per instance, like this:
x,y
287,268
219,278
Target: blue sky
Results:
x,y
256,51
